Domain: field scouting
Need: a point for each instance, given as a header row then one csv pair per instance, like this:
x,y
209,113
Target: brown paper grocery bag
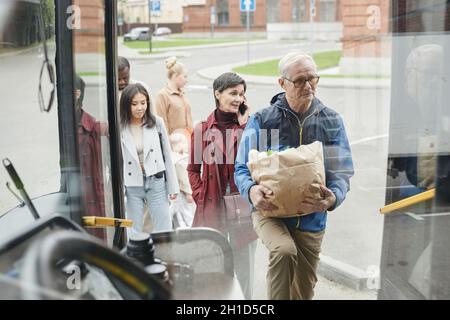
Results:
x,y
291,174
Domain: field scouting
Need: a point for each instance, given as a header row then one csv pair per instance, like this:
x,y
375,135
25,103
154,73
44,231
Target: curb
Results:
x,y
157,56
214,72
24,50
174,50
219,45
354,83
344,274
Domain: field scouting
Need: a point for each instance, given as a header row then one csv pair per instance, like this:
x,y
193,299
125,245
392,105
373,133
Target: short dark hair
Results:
x,y
125,105
79,84
225,81
123,63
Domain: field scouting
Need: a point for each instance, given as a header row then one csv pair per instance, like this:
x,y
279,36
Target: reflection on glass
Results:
x,y
46,99
415,257
30,138
89,144
90,66
415,148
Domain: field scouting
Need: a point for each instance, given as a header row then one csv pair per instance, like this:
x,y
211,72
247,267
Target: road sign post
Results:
x,y
312,14
150,25
213,20
247,6
154,8
120,25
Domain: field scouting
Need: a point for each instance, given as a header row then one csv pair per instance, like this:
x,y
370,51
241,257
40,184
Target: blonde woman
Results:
x,y
171,103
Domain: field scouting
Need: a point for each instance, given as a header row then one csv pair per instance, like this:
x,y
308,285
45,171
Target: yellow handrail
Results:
x,y
421,197
96,222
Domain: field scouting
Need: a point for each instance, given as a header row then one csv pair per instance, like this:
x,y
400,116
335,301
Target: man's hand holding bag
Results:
x,y
295,177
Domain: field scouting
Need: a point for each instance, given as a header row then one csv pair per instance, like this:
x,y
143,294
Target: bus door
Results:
x,y
415,255
58,122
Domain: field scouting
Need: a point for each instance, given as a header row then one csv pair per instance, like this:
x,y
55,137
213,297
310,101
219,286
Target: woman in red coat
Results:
x,y
217,140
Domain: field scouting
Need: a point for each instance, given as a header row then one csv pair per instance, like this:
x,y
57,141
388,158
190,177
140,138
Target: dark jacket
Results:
x,y
319,123
203,178
89,135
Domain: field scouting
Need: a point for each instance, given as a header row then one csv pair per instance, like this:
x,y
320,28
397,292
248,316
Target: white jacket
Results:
x,y
153,159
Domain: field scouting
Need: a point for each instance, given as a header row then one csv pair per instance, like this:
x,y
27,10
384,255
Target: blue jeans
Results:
x,y
153,193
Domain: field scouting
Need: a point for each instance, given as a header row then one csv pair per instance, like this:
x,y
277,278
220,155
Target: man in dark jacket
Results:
x,y
89,144
295,117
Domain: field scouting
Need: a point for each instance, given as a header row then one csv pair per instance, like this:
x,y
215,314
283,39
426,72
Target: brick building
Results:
x,y
89,36
366,41
135,13
229,18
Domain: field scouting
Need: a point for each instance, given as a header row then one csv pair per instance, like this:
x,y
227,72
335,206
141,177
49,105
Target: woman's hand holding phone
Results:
x,y
243,113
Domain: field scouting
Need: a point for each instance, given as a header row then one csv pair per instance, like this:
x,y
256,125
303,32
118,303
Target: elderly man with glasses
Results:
x,y
295,117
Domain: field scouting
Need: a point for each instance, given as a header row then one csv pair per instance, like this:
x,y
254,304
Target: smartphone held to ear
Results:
x,y
243,108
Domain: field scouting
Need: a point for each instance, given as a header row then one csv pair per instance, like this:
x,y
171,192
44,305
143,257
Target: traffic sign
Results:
x,y
312,8
213,15
156,6
247,5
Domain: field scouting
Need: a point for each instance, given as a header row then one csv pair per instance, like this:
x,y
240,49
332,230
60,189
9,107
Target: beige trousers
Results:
x,y
293,258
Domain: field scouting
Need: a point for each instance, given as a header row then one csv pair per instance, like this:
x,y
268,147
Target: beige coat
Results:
x,y
173,107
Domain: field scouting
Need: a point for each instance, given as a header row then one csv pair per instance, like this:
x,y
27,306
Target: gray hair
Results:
x,y
430,54
292,58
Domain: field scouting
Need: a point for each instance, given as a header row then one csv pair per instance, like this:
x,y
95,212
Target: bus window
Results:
x,y
59,140
92,110
414,263
29,119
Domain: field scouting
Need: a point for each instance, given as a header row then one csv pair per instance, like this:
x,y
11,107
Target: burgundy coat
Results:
x,y
89,134
203,177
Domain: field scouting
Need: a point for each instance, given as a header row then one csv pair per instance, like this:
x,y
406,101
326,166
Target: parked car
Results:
x,y
162,31
140,33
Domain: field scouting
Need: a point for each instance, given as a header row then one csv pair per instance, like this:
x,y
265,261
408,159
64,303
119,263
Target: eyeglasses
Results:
x,y
301,82
46,104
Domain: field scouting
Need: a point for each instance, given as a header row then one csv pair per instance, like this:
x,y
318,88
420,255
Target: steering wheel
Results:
x,y
41,267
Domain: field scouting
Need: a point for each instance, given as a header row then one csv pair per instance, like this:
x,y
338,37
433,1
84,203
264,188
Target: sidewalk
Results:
x,y
133,54
20,51
327,288
214,72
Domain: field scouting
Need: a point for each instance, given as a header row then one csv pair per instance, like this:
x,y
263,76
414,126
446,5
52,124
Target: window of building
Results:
x,y
223,15
273,11
327,10
244,18
421,15
299,11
